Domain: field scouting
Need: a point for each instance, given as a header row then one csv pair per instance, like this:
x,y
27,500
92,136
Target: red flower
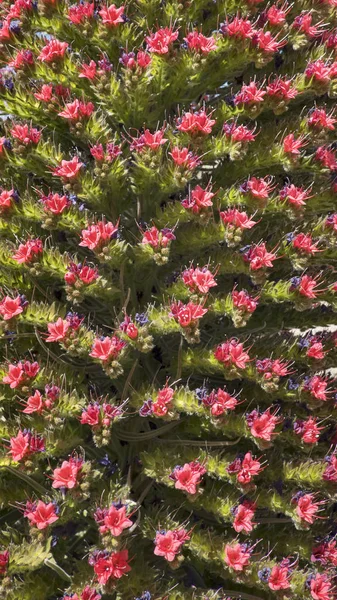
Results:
x,y
316,351
53,51
45,94
243,517
259,187
34,404
240,220
296,196
26,134
236,556
158,239
249,467
184,158
321,588
262,426
317,386
303,23
307,509
200,280
249,94
107,348
319,119
78,13
239,28
42,515
55,203
291,145
303,242
188,477
196,123
330,473
6,197
279,578
232,353
69,169
58,330
160,41
11,307
19,446
318,71
98,234
111,15
116,521
88,71
66,476
153,140
18,373
267,43
198,42
259,257
187,315
243,301
198,200
114,566
4,560
90,594
277,16
77,110
308,430
326,158
238,133
281,89
29,251
168,545
308,287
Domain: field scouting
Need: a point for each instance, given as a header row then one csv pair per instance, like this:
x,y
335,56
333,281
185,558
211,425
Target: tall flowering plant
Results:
x,y
168,232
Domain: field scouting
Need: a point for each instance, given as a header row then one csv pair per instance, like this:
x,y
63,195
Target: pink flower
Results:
x,y
317,386
268,44
34,404
26,134
88,71
243,517
196,123
236,556
318,71
239,28
18,373
29,251
316,351
99,234
276,15
201,280
158,239
291,145
66,476
238,133
281,90
279,578
107,348
19,446
54,50
259,257
232,353
168,544
296,196
114,566
330,473
69,169
198,200
307,509
160,41
42,515
4,560
239,220
58,330
187,315
321,587
198,42
11,307
259,187
116,520
153,140
77,110
263,425
45,94
243,301
184,158
319,119
326,157
249,94
6,198
303,242
188,477
55,203
78,13
308,430
303,23
111,15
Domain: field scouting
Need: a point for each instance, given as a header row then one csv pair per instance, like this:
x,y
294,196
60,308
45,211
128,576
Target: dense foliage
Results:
x,y
168,175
